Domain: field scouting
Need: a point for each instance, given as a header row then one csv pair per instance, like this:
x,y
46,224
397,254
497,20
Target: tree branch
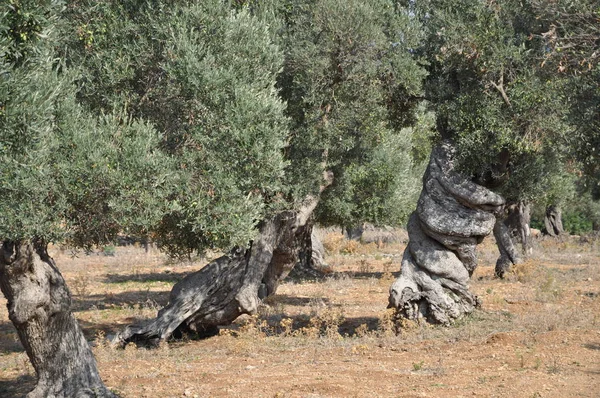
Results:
x,y
500,88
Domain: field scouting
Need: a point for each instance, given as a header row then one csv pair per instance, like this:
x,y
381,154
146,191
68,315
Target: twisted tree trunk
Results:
x,y
517,221
233,284
553,221
508,253
39,307
453,215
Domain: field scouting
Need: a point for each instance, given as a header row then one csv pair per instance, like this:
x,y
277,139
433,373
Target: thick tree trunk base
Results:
x,y
39,307
453,215
311,257
226,288
234,284
197,304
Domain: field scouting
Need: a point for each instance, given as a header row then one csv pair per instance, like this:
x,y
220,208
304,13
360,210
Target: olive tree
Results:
x,y
503,125
65,175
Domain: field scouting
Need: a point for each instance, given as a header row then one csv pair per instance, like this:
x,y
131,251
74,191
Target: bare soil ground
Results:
x,y
537,334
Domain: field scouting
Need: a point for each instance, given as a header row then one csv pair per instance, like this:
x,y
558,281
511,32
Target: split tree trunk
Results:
x,y
311,255
39,306
553,221
453,215
233,284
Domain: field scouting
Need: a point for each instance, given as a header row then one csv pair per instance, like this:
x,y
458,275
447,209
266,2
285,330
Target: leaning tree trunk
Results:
x,y
39,306
233,284
453,215
553,221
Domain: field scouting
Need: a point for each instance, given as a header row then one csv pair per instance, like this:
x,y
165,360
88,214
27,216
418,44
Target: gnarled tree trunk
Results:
x,y
553,221
453,215
233,284
39,306
508,253
517,221
311,254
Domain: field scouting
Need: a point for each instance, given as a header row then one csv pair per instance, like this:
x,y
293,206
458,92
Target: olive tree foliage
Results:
x,y
571,43
347,80
343,62
571,50
506,117
204,75
65,175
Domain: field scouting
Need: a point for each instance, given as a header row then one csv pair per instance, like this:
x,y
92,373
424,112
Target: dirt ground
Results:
x,y
536,335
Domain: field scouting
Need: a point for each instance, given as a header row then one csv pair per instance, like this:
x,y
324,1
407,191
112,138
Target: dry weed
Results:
x,y
80,285
525,271
548,289
327,322
350,247
286,325
386,325
337,283
254,327
386,279
334,242
362,330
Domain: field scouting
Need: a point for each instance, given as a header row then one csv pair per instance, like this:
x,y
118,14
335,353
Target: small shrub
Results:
x,y
327,322
362,330
387,323
418,366
549,290
80,285
286,325
525,271
364,266
350,247
109,250
333,242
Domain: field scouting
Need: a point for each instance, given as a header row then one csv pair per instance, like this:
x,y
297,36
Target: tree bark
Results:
x,y
453,215
39,307
508,253
517,221
553,221
311,255
233,284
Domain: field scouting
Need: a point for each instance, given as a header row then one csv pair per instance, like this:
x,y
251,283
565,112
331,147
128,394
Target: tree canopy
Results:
x,y
66,174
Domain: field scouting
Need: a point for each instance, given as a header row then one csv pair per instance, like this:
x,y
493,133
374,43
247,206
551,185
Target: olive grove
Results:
x,y
238,125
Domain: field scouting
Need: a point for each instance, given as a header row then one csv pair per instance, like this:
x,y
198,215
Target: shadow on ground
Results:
x,y
9,340
366,275
120,300
18,387
592,346
295,301
146,277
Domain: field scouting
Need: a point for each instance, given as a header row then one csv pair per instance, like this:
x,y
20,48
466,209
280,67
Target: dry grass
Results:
x,y
537,334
